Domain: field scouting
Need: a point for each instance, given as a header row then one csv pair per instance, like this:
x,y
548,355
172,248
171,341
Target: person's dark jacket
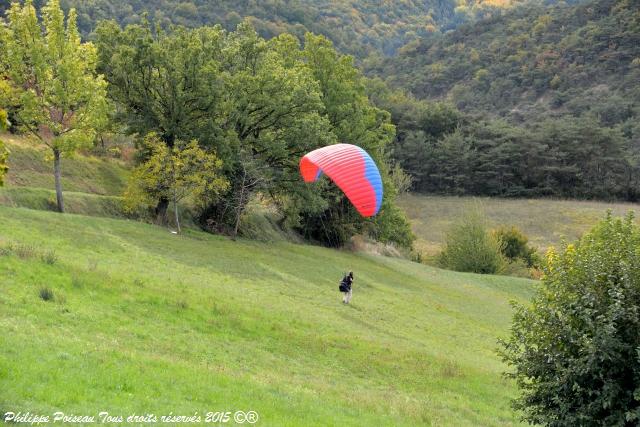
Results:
x,y
346,282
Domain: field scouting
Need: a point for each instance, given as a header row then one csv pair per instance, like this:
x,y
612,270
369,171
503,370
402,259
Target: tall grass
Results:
x,y
545,221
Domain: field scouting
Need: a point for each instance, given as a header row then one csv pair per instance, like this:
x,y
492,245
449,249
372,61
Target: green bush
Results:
x,y
575,351
514,246
470,247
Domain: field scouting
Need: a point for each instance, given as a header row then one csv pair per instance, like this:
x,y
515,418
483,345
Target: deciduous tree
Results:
x,y
574,351
167,83
174,173
273,117
58,95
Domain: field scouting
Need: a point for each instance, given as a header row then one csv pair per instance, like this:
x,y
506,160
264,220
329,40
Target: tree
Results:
x,y
272,118
260,104
575,350
4,123
168,84
174,173
353,119
58,95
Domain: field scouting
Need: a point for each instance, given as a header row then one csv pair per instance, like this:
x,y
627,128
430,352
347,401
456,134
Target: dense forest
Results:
x,y
356,27
542,100
530,62
500,98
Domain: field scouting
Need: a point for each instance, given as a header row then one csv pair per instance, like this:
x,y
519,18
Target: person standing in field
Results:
x,y
346,287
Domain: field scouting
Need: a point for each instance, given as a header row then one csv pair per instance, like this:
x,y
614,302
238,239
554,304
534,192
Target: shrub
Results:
x,y
46,294
49,257
514,246
518,268
470,247
575,350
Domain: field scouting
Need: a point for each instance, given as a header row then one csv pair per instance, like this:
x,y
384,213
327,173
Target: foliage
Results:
x,y
274,116
574,351
55,93
353,119
515,245
560,80
470,247
164,83
355,27
174,173
557,157
571,63
261,105
167,84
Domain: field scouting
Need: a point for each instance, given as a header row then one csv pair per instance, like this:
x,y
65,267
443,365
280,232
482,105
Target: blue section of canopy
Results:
x,y
372,175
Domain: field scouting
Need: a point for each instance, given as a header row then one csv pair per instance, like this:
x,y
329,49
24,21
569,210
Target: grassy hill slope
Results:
x,y
546,222
145,321
92,186
30,167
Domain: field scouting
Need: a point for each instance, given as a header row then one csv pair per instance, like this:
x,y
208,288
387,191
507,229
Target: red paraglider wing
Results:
x,y
352,170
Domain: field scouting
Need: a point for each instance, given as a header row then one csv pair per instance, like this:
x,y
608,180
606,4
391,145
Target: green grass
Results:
x,y
29,166
103,314
79,203
545,222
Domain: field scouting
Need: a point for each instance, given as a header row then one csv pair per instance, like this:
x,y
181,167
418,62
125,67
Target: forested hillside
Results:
x,y
356,27
533,61
538,102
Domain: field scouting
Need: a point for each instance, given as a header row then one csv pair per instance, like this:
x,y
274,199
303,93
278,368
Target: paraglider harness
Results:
x,y
345,284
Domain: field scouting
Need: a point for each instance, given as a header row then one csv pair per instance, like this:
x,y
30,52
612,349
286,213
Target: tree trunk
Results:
x,y
175,208
237,225
240,206
161,211
58,177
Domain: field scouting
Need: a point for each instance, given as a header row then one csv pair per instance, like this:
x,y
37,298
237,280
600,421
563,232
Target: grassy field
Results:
x,y
143,321
29,166
545,222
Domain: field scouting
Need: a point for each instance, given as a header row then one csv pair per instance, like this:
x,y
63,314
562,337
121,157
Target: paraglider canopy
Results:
x,y
352,170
